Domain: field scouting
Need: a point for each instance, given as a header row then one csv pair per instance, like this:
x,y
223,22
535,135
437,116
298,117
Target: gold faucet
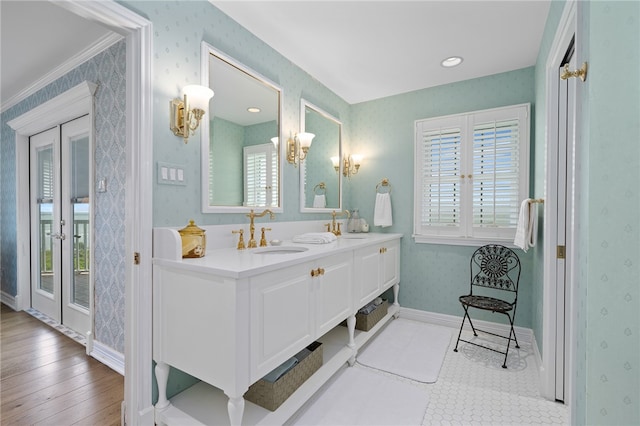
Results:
x,y
252,227
336,229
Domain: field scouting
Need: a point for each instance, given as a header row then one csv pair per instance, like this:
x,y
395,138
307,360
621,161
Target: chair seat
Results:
x,y
486,303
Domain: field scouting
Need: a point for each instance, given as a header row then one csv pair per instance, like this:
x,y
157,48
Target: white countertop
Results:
x,y
233,263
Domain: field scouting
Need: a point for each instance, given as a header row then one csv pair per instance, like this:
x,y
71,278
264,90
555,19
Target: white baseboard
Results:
x,y
9,300
108,356
524,335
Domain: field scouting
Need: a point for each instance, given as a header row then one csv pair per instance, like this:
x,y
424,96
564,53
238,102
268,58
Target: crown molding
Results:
x,y
99,46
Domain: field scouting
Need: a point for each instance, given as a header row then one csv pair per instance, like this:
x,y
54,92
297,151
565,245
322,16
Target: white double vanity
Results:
x,y
231,317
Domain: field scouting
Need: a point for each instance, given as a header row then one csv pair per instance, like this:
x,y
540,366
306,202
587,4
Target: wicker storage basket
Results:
x,y
271,395
365,322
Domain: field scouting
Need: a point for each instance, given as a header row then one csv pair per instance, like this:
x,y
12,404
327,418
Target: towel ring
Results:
x,y
320,187
383,183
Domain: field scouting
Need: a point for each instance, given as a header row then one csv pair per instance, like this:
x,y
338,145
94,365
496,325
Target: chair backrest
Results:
x,y
495,266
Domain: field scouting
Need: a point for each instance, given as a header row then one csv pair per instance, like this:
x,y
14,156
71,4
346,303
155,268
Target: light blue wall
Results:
x,y
606,369
432,276
608,314
226,182
381,130
107,69
179,27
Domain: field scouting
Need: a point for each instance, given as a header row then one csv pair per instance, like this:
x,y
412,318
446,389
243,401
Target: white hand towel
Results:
x,y
382,215
315,238
319,201
527,229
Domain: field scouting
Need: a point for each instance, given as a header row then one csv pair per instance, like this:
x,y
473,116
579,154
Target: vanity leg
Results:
x,y
351,327
396,291
162,376
235,407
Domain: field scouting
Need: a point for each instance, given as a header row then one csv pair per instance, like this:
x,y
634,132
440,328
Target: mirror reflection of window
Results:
x,y
260,181
244,112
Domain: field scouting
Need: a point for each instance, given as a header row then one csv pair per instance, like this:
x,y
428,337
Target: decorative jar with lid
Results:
x,y
194,242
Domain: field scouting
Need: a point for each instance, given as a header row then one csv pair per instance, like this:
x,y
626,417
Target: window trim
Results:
x,y
466,234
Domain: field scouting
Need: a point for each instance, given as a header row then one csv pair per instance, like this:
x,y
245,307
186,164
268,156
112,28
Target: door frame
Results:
x,y
566,30
138,188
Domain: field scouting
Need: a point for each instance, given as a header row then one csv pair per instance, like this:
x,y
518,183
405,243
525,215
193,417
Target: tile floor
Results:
x,y
474,389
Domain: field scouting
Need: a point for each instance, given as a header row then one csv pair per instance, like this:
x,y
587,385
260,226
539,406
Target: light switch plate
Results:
x,y
171,174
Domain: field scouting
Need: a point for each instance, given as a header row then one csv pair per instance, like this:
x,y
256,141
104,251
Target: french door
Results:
x,y
60,182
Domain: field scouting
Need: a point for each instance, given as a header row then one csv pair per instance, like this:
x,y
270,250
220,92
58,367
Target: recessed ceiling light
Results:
x,y
253,109
451,61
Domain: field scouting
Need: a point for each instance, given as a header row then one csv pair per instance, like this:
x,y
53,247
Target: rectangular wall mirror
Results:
x,y
241,160
320,182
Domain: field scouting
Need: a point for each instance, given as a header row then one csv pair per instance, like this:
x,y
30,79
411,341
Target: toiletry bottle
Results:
x,y
353,225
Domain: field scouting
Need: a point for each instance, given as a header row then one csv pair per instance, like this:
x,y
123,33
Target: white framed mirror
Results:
x,y
320,182
240,138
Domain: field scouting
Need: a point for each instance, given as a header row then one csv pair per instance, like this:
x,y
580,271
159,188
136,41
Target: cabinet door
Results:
x,y
281,317
390,264
333,291
367,270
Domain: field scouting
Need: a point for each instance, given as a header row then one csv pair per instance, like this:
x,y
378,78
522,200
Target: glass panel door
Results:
x,y
45,223
61,179
76,212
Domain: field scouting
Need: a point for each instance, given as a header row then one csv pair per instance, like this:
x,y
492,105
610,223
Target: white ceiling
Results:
x,y
361,50
38,38
365,50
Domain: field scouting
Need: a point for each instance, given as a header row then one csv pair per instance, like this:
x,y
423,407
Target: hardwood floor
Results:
x,y
47,379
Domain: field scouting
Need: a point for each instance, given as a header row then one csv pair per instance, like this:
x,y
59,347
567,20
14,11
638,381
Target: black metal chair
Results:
x,y
495,271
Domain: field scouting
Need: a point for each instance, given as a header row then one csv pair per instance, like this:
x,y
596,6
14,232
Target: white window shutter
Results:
x,y
260,177
472,172
439,156
496,165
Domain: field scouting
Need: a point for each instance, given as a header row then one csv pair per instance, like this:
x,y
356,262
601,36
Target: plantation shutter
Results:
x,y
496,166
255,178
441,158
260,177
471,174
273,183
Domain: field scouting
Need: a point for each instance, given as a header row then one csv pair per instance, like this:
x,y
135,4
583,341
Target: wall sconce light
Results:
x,y
350,165
298,147
336,163
185,114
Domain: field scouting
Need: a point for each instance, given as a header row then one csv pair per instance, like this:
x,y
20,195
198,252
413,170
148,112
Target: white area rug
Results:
x,y
410,349
358,396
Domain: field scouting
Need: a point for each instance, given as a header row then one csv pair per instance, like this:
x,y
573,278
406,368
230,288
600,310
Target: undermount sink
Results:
x,y
354,236
279,250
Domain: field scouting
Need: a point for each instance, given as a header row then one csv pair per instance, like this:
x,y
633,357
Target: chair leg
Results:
x,y
512,332
461,327
471,322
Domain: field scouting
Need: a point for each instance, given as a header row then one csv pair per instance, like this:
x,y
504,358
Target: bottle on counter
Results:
x,y
354,223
